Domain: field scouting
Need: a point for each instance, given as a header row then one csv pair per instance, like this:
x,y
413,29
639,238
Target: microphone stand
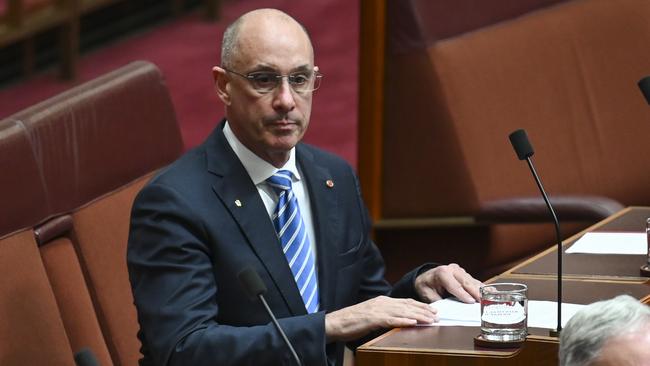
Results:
x,y
277,326
553,333
255,288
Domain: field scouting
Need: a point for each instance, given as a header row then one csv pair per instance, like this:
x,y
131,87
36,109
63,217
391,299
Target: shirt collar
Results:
x,y
258,169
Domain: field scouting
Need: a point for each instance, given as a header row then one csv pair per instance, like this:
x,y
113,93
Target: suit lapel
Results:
x,y
235,189
324,204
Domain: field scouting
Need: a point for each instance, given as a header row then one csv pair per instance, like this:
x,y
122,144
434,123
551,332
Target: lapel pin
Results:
x,y
238,203
329,183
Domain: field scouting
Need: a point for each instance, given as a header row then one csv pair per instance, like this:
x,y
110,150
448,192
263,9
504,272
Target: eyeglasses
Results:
x,y
266,81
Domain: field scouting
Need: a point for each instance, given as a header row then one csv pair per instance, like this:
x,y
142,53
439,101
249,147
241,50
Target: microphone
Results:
x,y
524,150
255,289
85,357
644,85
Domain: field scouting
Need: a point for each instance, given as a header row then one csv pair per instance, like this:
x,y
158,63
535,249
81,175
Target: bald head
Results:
x,y
253,24
267,48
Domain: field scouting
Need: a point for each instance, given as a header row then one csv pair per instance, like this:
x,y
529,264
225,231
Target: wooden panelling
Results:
x,y
371,101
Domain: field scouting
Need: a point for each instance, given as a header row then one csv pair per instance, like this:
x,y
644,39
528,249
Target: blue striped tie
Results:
x,y
293,236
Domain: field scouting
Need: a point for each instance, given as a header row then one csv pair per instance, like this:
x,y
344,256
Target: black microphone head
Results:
x,y
519,141
644,85
252,283
85,357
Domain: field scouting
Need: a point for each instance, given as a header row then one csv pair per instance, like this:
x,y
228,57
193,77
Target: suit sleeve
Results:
x,y
373,282
175,292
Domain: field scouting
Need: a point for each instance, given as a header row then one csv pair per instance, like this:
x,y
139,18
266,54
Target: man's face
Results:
x,y
268,124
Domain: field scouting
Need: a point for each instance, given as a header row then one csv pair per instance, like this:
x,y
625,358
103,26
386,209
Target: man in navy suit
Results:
x,y
217,210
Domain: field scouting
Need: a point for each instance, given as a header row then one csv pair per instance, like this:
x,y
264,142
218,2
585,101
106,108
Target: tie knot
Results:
x,y
280,181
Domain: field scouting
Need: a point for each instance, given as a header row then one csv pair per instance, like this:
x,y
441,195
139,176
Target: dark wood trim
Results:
x,y
212,10
69,49
425,222
569,240
14,13
22,23
372,39
29,56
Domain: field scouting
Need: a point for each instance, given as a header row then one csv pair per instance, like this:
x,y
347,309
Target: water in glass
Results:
x,y
504,312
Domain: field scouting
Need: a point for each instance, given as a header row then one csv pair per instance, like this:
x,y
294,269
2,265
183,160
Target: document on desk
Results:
x,y
541,314
610,243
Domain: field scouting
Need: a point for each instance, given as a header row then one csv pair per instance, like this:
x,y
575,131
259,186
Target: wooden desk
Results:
x,y
450,346
608,266
601,277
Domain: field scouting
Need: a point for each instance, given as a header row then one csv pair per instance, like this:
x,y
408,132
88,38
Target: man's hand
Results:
x,y
381,312
434,283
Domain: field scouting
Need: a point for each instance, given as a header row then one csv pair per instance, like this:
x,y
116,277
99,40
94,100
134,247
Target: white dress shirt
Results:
x,y
260,170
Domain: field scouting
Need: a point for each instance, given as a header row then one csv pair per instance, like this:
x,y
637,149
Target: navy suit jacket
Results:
x,y
189,239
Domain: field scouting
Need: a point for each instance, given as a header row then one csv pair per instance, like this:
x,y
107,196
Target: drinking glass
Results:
x,y
645,268
504,312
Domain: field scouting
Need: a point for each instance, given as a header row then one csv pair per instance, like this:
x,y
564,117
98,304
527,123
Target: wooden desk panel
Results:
x,y
612,266
451,346
579,291
590,278
455,346
587,265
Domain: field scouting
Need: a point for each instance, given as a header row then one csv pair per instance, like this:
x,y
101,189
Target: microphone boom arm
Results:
x,y
559,242
279,328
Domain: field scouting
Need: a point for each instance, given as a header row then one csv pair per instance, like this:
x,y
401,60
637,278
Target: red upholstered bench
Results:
x,y
71,167
567,74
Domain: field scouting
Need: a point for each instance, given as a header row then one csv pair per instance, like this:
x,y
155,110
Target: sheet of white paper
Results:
x,y
611,243
454,312
541,314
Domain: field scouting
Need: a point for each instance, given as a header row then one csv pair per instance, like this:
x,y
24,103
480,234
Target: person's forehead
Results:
x,y
627,349
274,44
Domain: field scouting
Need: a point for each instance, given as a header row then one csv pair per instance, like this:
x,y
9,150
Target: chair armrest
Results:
x,y
533,209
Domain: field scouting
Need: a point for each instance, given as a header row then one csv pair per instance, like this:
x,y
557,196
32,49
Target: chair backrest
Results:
x,y
75,163
71,290
567,74
101,230
31,330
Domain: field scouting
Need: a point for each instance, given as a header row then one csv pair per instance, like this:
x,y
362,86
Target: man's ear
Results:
x,y
221,83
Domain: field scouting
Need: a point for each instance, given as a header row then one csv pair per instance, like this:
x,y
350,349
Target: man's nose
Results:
x,y
283,99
